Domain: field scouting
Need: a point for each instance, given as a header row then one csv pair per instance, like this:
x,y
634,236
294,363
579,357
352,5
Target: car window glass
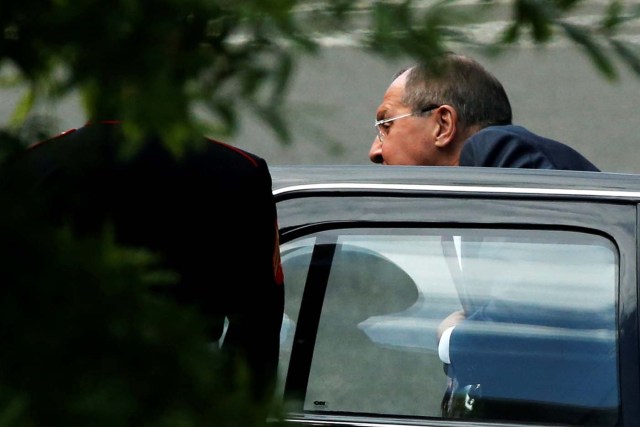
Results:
x,y
539,337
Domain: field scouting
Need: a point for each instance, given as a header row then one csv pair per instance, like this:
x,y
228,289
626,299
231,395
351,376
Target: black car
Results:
x,y
541,266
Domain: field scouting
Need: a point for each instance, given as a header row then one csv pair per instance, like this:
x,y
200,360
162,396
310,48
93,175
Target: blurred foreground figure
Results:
x,y
209,216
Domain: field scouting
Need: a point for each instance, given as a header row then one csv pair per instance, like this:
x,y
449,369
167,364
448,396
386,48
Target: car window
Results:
x,y
538,342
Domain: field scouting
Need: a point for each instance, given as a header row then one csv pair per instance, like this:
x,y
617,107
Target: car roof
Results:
x,y
306,178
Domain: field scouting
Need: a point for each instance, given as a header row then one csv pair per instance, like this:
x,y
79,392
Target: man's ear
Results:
x,y
447,125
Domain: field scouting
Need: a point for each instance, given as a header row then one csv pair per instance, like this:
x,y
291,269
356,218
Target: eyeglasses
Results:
x,y
379,123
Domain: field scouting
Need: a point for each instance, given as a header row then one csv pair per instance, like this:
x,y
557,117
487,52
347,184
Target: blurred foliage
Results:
x,y
149,63
84,341
601,40
88,342
156,64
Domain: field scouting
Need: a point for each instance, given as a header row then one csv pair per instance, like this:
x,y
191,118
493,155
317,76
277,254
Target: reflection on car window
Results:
x,y
538,342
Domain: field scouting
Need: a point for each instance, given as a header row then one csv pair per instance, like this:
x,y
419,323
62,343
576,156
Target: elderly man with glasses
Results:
x,y
455,113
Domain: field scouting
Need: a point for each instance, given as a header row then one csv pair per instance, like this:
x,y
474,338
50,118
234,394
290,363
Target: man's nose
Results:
x,y
375,153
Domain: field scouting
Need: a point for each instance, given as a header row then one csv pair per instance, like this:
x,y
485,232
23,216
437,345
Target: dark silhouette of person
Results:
x,y
208,214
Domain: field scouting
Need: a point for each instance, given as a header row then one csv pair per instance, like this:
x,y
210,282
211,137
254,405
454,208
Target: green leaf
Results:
x,y
23,108
565,5
630,56
272,115
511,34
612,17
282,76
13,410
538,14
341,8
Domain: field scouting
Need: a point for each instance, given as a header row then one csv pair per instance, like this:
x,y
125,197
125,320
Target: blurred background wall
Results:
x,y
554,91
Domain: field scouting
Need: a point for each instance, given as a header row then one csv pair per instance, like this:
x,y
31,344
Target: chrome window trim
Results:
x,y
459,189
394,423
346,423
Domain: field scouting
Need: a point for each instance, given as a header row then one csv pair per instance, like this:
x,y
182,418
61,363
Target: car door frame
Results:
x,y
602,213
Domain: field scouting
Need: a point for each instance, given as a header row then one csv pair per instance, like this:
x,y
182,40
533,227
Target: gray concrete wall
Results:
x,y
554,91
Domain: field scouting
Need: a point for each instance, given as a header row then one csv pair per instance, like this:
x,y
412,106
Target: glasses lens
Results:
x,y
380,133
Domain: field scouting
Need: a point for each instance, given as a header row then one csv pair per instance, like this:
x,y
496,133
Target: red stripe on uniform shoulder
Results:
x,y
237,150
60,135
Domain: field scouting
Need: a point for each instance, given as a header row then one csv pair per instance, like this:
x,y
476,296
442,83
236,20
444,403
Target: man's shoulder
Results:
x,y
514,136
498,146
516,146
519,133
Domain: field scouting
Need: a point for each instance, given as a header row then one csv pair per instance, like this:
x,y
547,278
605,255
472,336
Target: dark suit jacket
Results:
x,y
209,214
515,147
533,377
532,361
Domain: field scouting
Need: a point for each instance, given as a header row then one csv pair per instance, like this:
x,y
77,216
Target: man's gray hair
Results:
x,y
463,83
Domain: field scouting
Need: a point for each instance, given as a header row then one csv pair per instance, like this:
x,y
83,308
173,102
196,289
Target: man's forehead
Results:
x,y
392,98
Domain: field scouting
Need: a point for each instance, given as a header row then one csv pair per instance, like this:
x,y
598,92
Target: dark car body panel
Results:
x,y
314,199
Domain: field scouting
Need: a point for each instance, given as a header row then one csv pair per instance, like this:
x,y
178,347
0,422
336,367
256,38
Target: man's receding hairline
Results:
x,y
401,71
448,58
420,75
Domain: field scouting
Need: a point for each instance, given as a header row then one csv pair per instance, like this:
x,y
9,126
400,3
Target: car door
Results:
x,y
546,283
